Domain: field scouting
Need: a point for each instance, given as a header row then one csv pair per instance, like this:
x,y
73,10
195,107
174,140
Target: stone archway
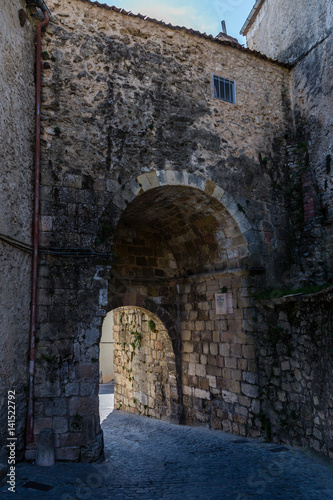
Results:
x,y
179,240
145,365
167,336
166,178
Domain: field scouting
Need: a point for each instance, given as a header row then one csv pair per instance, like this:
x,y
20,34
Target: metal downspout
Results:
x,y
30,417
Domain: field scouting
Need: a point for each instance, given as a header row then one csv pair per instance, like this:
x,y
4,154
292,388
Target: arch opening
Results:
x,y
144,363
106,368
177,247
177,230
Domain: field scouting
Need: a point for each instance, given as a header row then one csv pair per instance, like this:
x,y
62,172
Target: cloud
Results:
x,y
189,16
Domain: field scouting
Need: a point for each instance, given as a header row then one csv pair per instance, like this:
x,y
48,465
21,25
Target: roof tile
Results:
x,y
189,31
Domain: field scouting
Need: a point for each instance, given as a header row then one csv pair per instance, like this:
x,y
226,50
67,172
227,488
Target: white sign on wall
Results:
x,y
224,303
221,303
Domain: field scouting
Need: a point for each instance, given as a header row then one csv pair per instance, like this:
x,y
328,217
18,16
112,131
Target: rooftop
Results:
x,y
227,41
251,17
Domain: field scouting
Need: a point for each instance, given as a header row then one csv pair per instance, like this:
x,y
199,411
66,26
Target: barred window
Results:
x,y
224,89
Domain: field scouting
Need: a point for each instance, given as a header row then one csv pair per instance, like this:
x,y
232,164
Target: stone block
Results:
x,y
201,394
245,401
215,371
204,384
233,386
227,426
194,357
249,390
45,449
70,454
187,346
218,192
230,362
72,389
242,364
42,423
214,348
212,381
210,187
199,325
186,334
87,370
60,425
203,359
241,410
236,350
285,365
55,407
216,336
224,349
236,375
220,361
250,377
206,336
191,369
248,351
68,439
205,347
83,406
200,370
187,390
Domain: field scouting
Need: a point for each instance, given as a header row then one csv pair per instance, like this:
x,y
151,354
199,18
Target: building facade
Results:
x,y
180,178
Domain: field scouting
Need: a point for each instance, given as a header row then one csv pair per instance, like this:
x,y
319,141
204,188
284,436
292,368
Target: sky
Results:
x,y
201,15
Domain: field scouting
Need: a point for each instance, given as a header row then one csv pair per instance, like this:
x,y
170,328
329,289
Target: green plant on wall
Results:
x,y
151,325
137,340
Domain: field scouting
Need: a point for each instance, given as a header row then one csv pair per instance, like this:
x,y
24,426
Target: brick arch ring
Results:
x,y
159,178
137,300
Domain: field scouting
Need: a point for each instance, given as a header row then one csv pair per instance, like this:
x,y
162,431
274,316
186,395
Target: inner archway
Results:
x,y
144,364
178,230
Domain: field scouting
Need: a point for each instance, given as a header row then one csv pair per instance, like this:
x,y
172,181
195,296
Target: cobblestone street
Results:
x,y
152,459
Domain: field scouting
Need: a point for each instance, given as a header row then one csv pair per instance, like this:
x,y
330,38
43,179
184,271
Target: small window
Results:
x,y
224,89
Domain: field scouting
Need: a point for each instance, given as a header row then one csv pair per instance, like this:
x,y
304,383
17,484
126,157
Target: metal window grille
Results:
x,y
224,89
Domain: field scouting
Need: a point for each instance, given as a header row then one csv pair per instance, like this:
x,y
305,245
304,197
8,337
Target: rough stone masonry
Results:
x,y
138,154
155,197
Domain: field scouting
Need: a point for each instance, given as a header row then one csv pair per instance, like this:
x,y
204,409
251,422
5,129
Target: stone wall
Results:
x,y
157,195
286,30
123,96
219,370
219,380
67,354
16,191
294,352
146,179
300,33
145,367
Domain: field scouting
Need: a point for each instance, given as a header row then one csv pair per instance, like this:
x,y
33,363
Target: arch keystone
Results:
x,y
143,182
171,178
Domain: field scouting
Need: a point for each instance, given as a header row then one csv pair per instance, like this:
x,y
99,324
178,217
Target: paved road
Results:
x,y
106,400
151,459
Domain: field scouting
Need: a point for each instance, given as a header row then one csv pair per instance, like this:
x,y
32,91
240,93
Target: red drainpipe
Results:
x,y
30,415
